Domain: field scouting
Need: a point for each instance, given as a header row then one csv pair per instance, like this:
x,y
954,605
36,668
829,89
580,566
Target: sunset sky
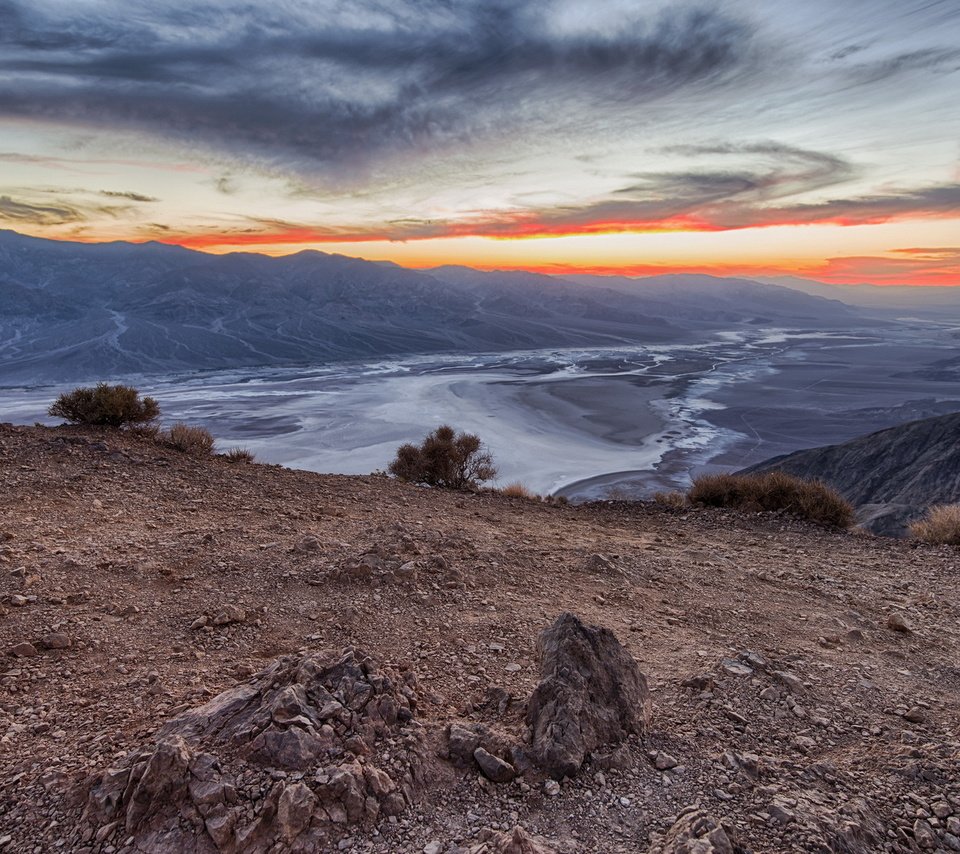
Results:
x,y
751,137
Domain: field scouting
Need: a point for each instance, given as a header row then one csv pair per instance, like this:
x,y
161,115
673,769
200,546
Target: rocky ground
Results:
x,y
802,684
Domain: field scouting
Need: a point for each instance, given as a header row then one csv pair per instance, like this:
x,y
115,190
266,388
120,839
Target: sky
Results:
x,y
738,137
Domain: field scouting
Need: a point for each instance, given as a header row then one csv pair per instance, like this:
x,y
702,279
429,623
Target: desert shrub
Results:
x,y
518,490
238,455
941,525
190,440
675,500
777,490
107,405
445,458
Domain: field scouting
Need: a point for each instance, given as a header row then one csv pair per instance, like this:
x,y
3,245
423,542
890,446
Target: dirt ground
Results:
x,y
825,716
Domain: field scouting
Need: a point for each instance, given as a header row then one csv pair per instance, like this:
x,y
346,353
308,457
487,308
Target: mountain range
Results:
x,y
76,311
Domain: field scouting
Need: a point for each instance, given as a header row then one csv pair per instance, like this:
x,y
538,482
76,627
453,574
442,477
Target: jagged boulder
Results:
x,y
696,832
591,694
516,841
282,763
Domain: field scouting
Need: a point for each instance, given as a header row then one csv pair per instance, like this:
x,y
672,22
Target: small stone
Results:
x,y
551,788
229,614
770,693
433,847
56,640
896,623
664,761
780,815
736,668
512,668
916,715
199,623
699,683
24,649
18,601
493,767
923,833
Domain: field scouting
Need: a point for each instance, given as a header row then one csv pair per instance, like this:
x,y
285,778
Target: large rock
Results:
x,y
591,694
273,764
695,832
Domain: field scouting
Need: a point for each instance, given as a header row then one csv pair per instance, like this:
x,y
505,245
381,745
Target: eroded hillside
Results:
x,y
804,683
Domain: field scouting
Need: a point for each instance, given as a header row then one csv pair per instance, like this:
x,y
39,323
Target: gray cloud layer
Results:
x,y
321,85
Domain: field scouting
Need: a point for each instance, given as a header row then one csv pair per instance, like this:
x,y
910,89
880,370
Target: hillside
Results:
x,y
71,311
804,693
891,476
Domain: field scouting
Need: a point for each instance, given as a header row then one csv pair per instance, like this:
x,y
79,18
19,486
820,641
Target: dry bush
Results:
x,y
777,490
675,500
239,455
445,458
190,440
941,525
105,405
518,490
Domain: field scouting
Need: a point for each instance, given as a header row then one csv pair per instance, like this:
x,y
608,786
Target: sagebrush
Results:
x,y
105,405
190,440
519,490
776,490
239,455
674,499
445,458
941,525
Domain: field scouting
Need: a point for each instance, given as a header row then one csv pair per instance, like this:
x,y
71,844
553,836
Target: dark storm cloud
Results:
x,y
326,83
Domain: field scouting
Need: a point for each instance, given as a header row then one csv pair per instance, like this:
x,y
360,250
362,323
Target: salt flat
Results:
x,y
578,422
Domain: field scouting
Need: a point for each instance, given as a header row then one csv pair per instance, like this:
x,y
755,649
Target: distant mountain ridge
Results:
x,y
891,476
72,311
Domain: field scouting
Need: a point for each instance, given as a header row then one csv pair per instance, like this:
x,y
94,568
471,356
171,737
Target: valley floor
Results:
x,y
827,717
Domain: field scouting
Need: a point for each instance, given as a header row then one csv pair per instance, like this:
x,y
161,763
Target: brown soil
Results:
x,y
822,722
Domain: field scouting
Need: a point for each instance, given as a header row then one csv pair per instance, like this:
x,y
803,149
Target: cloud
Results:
x,y
133,197
332,83
26,213
917,266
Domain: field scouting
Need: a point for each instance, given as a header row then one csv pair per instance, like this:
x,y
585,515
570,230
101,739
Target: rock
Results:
x,y
229,614
664,761
896,623
434,847
600,565
915,715
18,601
696,832
56,640
306,717
294,810
461,742
407,571
551,788
736,668
591,694
704,682
24,649
199,623
780,814
923,833
308,544
516,841
493,767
